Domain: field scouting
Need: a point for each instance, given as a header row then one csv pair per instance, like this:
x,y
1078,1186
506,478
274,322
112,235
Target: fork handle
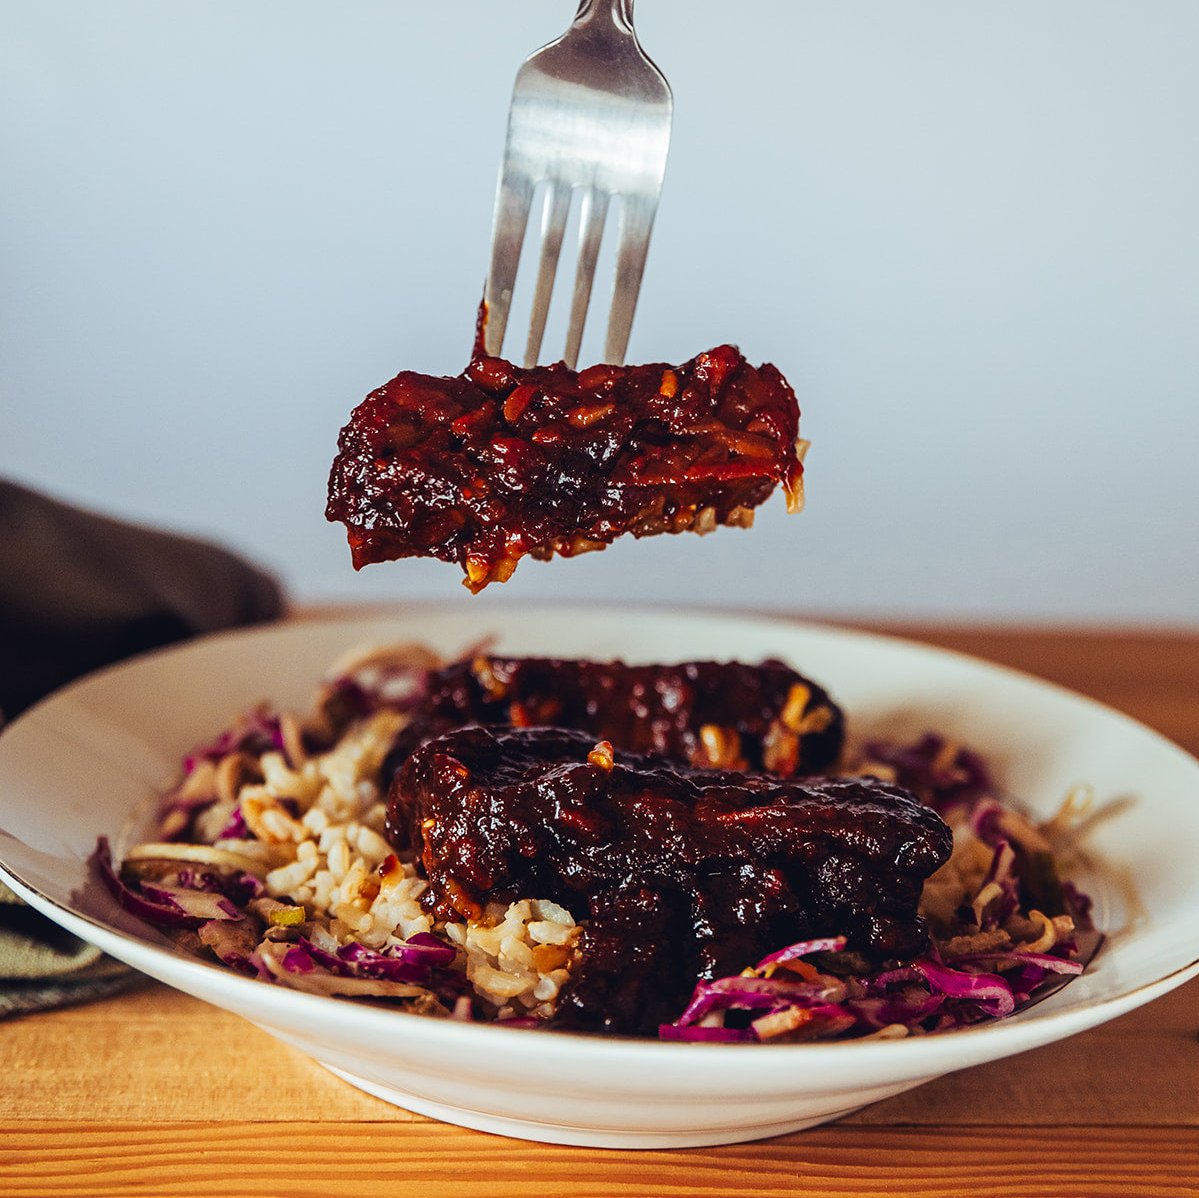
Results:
x,y
612,12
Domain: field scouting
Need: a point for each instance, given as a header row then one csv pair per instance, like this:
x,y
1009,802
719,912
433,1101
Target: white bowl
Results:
x,y
92,759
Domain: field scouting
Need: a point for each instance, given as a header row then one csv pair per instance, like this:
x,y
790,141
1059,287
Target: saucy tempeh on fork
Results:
x,y
502,462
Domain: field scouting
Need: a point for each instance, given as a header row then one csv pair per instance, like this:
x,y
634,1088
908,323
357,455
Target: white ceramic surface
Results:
x,y
91,760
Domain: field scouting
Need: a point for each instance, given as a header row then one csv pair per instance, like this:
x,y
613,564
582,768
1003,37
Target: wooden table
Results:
x,y
156,1093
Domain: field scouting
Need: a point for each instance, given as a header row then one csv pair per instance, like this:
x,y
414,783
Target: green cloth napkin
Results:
x,y
43,966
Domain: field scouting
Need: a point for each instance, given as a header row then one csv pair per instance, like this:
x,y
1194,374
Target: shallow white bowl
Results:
x,y
92,760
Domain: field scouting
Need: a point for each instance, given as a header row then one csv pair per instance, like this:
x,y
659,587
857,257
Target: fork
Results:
x,y
590,112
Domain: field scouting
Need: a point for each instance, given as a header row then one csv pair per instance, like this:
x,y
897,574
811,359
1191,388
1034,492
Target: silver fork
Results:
x,y
590,111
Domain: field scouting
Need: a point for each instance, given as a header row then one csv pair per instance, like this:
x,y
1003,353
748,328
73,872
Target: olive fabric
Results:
x,y
43,966
79,591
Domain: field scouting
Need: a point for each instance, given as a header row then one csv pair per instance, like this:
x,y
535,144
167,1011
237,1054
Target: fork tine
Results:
x,y
636,224
512,202
591,232
553,227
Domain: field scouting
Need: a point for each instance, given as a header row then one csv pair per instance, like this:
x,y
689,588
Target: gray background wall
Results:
x,y
968,233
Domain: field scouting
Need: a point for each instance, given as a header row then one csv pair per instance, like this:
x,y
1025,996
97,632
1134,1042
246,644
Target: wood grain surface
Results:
x,y
154,1093
224,1159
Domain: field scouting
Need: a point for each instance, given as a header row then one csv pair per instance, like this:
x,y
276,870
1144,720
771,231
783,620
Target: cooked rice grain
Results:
x,y
318,823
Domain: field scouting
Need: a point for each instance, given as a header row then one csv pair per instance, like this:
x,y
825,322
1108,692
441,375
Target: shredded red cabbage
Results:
x,y
239,887
201,905
235,827
161,908
257,732
179,813
234,945
986,991
984,822
412,961
925,995
922,767
1043,961
830,944
722,1035
1079,905
380,686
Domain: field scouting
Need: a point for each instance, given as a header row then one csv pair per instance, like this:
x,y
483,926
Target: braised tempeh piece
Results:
x,y
681,874
501,462
709,714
